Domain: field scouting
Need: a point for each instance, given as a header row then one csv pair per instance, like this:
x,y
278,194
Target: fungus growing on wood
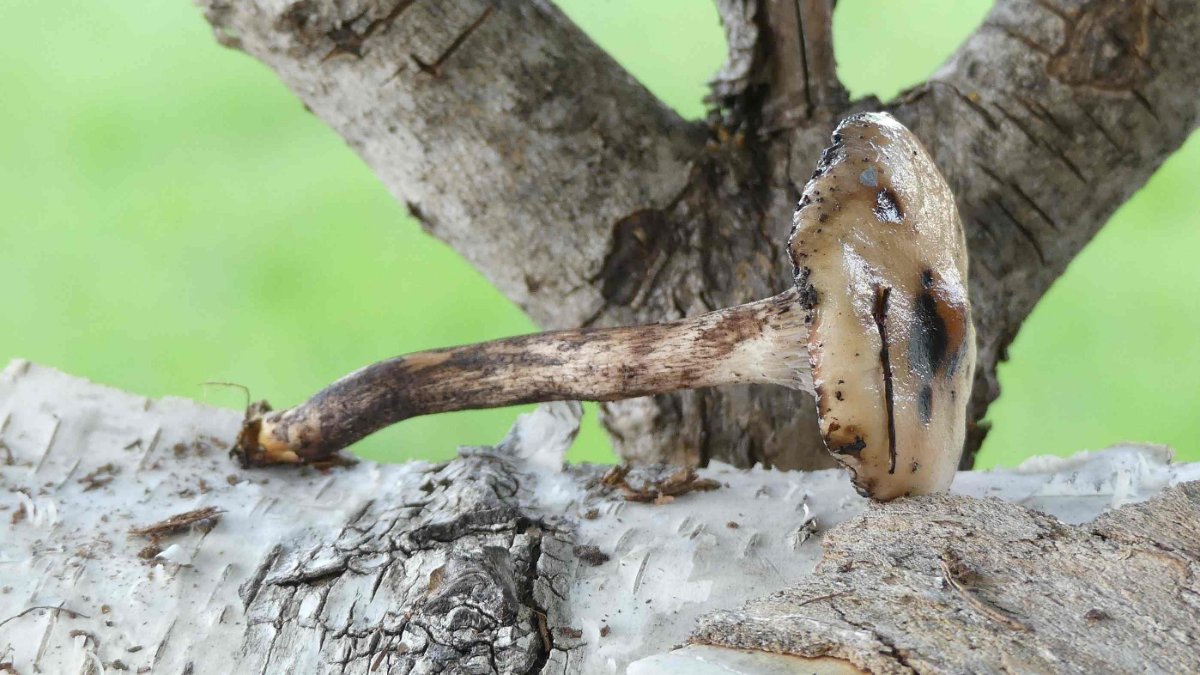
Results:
x,y
881,262
877,327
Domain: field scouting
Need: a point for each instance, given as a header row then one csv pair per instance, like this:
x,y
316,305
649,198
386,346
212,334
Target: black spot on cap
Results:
x,y
809,298
887,208
848,448
925,403
929,337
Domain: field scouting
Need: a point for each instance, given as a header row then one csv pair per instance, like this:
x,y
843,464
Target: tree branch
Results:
x,y
1045,121
780,58
948,584
501,126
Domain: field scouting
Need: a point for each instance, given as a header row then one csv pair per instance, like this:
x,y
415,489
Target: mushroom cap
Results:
x,y
881,265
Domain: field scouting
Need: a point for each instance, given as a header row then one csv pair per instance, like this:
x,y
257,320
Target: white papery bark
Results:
x,y
503,561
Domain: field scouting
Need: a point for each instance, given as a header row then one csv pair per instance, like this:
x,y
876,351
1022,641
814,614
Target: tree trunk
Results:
x,y
513,138
131,543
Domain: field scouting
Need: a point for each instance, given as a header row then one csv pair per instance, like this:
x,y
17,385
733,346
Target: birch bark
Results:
x,y
129,542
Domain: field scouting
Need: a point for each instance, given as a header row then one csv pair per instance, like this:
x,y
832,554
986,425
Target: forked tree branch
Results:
x,y
502,127
516,140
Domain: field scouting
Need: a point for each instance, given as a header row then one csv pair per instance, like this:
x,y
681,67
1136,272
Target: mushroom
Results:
x,y
877,327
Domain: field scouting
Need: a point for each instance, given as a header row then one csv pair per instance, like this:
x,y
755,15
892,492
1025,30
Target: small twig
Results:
x,y
178,522
827,596
70,612
544,631
974,601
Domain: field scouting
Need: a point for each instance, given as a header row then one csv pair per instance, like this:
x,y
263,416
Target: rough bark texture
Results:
x,y
129,542
414,568
948,584
514,139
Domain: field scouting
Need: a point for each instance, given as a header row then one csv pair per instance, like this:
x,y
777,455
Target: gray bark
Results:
x,y
130,542
947,584
512,137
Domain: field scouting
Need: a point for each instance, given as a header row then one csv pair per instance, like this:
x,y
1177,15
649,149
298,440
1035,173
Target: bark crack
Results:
x,y
468,585
346,40
434,69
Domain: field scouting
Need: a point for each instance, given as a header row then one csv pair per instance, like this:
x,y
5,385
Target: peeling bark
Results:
x,y
504,561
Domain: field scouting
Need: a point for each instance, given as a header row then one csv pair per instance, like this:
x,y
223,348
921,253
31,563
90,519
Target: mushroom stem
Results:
x,y
758,342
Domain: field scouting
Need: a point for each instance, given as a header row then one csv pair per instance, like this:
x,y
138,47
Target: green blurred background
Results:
x,y
147,176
